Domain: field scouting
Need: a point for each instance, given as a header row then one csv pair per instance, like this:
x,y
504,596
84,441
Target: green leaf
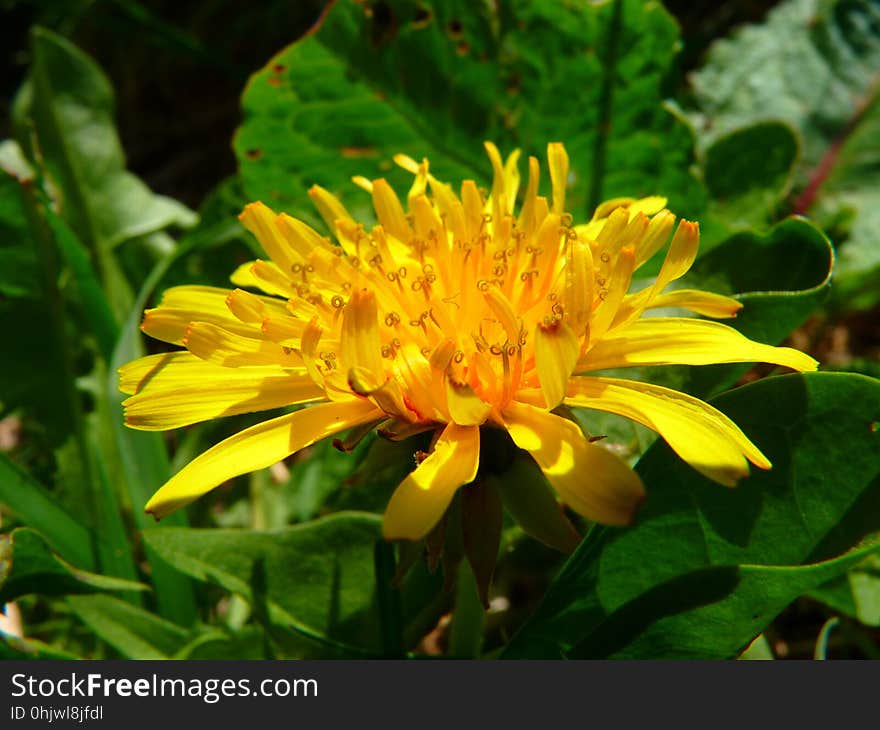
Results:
x,y
132,631
780,277
98,314
705,568
37,507
14,647
31,373
748,173
815,66
69,102
28,565
436,79
848,205
856,594
315,578
19,275
143,456
55,351
249,643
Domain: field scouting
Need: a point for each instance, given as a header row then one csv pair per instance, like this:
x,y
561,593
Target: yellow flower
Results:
x,y
456,315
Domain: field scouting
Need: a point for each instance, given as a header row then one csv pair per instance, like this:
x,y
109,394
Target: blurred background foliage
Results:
x,y
141,129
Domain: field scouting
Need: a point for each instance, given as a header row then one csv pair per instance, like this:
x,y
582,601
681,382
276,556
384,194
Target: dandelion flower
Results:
x,y
456,315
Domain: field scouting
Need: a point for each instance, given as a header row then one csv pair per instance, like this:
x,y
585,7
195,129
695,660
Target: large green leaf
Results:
x,y
132,631
315,578
437,78
748,173
28,565
68,105
815,65
705,569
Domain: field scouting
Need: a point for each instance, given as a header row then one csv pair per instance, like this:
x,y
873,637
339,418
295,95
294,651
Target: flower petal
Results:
x,y
679,259
422,498
256,448
705,303
213,343
681,341
465,406
390,212
556,352
182,305
177,389
589,478
330,208
700,434
557,161
360,345
259,219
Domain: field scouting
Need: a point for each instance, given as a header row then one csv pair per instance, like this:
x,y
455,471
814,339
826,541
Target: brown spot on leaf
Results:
x,y
254,153
274,81
455,28
463,48
279,68
423,17
357,152
384,26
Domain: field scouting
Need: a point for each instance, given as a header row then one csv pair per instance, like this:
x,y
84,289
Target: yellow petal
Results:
x,y
579,278
526,220
302,238
649,206
498,195
285,330
589,478
556,353
389,211
612,296
210,342
182,305
503,309
422,498
360,343
700,434
681,341
511,179
252,308
465,406
362,182
265,275
165,369
557,161
680,256
329,207
257,448
177,392
655,237
606,208
260,220
609,237
705,303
